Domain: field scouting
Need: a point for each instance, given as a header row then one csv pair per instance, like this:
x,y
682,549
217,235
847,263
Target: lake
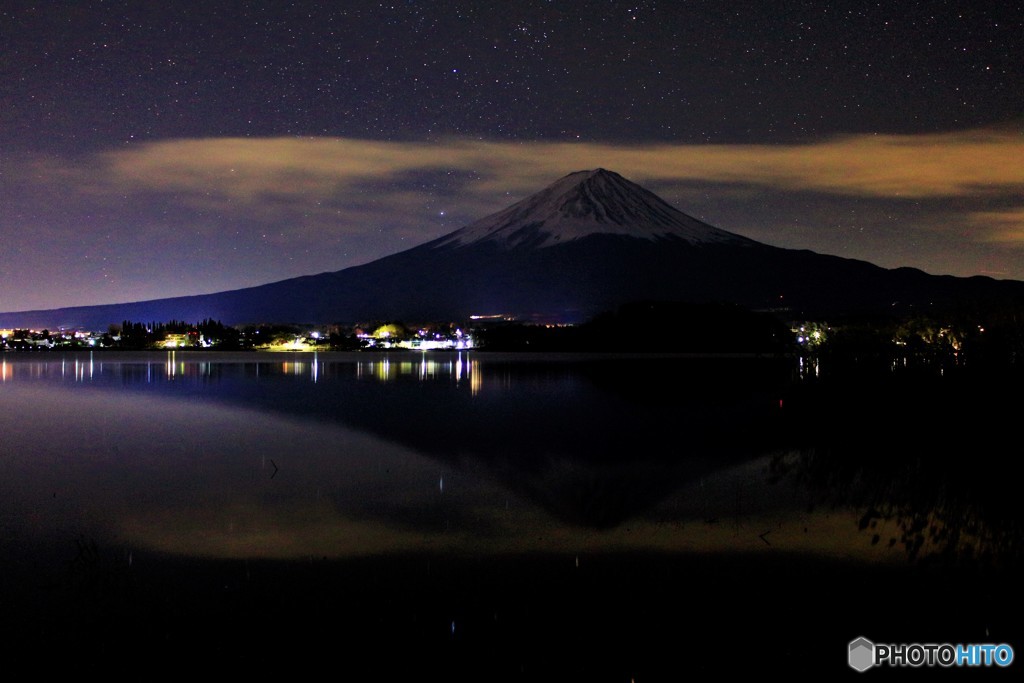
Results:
x,y
500,516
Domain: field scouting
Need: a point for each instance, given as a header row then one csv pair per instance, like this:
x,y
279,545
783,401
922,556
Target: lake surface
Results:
x,y
499,517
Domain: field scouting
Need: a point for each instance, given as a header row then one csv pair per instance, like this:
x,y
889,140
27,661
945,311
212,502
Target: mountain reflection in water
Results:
x,y
252,457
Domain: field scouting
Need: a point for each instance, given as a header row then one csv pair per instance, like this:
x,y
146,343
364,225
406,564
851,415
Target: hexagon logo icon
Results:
x,y
862,654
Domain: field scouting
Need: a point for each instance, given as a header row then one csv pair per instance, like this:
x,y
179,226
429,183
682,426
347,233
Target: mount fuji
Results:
x,y
588,243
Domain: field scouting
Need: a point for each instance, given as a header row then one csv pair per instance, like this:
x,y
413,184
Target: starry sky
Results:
x,y
159,149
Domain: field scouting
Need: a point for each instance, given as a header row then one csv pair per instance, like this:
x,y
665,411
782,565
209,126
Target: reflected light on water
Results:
x,y
172,366
81,367
808,367
476,379
180,365
382,370
424,369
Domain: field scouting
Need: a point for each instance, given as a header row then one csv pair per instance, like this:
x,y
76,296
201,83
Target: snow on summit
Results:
x,y
587,203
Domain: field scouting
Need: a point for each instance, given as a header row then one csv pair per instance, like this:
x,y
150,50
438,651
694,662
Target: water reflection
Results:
x,y
531,432
922,456
575,517
578,446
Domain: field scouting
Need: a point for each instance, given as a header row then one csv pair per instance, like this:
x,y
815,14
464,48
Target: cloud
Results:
x,y
247,170
1001,227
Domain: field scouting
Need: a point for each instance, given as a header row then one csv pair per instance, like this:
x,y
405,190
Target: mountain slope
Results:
x,y
588,243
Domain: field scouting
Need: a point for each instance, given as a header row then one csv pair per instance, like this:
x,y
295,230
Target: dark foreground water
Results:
x,y
497,517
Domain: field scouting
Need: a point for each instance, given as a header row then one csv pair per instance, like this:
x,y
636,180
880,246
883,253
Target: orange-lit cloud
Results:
x,y
1004,227
248,169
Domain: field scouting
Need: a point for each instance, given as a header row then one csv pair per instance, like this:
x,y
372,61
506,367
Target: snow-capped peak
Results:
x,y
587,203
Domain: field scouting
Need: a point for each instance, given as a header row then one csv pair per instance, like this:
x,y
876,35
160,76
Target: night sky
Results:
x,y
154,149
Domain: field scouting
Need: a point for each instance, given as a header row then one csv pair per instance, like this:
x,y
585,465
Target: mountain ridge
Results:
x,y
589,242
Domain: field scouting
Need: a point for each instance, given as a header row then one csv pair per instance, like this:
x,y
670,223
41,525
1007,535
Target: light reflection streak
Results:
x,y
296,368
476,380
806,367
422,367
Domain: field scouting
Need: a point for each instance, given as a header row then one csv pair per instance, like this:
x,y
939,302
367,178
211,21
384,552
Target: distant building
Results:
x,y
175,341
